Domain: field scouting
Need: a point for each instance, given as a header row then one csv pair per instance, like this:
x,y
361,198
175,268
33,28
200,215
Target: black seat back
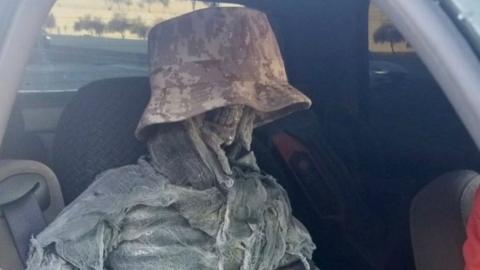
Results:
x,y
96,132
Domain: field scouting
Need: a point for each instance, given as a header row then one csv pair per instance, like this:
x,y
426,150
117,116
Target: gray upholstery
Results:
x,y
96,132
437,220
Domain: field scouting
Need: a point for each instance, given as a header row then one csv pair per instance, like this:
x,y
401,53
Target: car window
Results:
x,y
88,40
467,15
407,106
391,56
384,36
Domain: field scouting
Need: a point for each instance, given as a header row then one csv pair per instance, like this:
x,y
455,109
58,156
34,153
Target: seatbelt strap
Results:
x,y
24,219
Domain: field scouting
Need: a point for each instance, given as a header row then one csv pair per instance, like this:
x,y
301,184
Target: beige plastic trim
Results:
x,y
10,168
9,258
446,53
16,48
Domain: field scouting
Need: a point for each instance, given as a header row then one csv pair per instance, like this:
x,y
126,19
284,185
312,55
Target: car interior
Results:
x,y
380,170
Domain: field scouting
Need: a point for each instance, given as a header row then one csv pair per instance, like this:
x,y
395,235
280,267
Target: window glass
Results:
x,y
408,107
87,40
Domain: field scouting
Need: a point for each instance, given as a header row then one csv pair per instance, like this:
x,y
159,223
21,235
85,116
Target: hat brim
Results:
x,y
271,101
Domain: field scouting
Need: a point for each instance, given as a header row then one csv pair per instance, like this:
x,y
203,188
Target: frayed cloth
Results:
x,y
134,218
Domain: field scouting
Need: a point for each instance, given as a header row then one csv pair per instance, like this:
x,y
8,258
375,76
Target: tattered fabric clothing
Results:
x,y
134,218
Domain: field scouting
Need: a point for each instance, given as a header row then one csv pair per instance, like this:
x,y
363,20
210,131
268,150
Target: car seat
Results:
x,y
438,217
96,132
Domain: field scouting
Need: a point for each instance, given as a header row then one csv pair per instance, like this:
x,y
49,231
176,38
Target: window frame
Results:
x,y
15,50
469,25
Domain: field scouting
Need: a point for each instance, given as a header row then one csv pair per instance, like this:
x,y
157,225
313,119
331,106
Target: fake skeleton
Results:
x,y
199,200
136,218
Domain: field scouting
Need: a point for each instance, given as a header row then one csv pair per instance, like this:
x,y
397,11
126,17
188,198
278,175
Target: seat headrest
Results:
x,y
96,131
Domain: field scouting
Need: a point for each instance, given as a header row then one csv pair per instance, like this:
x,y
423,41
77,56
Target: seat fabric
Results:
x,y
438,216
96,132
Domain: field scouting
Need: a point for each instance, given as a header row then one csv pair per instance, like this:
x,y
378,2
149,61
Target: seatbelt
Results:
x,y
24,219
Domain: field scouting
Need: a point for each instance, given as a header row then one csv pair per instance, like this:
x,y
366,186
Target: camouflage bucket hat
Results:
x,y
214,58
